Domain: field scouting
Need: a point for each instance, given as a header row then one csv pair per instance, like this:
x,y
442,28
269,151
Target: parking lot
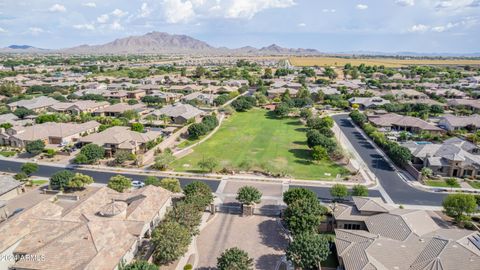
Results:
x,y
262,237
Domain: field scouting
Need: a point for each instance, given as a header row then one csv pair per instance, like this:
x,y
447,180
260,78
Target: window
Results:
x,y
351,226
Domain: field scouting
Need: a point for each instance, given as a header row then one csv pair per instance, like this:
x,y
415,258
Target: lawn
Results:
x,y
474,184
439,183
256,141
8,153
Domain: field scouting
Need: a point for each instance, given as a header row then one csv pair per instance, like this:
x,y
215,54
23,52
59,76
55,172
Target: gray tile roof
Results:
x,y
7,183
186,111
35,103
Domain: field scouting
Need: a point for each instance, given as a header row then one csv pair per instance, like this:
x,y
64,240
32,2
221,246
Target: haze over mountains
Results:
x,y
164,43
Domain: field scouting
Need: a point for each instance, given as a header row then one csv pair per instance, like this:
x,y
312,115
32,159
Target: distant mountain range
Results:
x,y
164,43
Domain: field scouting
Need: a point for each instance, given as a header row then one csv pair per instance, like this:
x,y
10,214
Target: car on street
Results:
x,y
138,184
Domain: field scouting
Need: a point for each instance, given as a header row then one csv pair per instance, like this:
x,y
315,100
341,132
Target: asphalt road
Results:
x,y
399,191
100,177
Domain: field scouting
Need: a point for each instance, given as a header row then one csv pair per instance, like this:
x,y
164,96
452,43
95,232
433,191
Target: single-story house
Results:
x,y
278,92
38,104
368,102
50,133
166,97
121,139
118,109
78,107
472,104
397,122
453,122
205,98
180,113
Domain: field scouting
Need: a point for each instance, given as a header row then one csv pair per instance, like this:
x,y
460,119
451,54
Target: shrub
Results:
x,y
249,195
234,258
92,152
61,179
35,147
119,183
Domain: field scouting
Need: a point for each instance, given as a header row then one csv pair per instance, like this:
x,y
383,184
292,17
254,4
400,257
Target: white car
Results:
x,y
138,184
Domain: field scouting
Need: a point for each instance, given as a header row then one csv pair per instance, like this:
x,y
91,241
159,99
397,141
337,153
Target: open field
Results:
x,y
254,140
387,62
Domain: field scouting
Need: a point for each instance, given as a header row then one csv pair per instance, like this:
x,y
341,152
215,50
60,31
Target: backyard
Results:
x,y
256,141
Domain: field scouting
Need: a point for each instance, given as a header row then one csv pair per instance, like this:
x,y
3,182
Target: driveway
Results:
x,y
260,236
399,191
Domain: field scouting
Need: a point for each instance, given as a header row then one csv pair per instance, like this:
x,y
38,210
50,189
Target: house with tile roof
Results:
x,y
180,113
78,107
38,104
368,102
452,122
50,132
401,239
397,122
121,139
451,158
102,230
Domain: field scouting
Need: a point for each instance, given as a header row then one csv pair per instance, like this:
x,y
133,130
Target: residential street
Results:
x,y
399,191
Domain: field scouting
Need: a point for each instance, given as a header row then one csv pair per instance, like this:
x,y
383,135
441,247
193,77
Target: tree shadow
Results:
x,y
272,235
303,129
300,142
301,153
268,262
294,123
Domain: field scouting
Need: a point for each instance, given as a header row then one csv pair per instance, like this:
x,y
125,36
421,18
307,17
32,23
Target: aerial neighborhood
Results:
x,y
158,151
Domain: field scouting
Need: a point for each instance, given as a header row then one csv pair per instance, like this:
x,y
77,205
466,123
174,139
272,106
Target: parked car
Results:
x,y
138,184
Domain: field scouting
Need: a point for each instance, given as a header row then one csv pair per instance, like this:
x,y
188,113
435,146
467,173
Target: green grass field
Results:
x,y
255,141
474,184
439,183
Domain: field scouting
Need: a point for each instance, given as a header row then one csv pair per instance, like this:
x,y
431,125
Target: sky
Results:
x,y
425,26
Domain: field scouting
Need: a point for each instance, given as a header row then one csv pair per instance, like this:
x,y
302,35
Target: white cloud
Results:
x,y
405,3
86,26
90,4
176,11
116,26
362,6
119,13
57,8
457,5
2,30
419,28
248,8
103,18
144,11
302,24
35,30
326,10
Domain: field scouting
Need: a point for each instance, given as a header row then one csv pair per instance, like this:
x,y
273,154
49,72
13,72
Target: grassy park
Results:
x,y
255,141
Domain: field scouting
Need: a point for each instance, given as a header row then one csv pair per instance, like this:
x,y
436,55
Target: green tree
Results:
x,y
197,130
304,215
138,127
171,184
295,194
163,160
308,250
140,265
92,152
339,191
282,110
319,153
131,115
122,157
186,215
171,241
243,103
119,183
21,176
399,154
459,206
35,147
198,194
452,182
22,112
152,180
61,179
249,195
234,259
29,168
208,164
80,159
426,172
80,181
360,191
306,113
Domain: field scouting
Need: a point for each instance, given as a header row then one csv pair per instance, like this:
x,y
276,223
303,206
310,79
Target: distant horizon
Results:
x,y
390,26
360,51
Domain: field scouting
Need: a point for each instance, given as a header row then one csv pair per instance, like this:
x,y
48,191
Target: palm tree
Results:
x,y
165,119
